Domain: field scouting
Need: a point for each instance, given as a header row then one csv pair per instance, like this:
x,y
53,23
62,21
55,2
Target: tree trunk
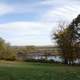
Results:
x,y
65,61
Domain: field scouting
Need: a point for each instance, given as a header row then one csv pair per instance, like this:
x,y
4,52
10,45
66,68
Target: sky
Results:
x,y
31,22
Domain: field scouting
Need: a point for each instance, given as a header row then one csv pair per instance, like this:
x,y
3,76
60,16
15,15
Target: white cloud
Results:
x,y
5,9
17,8
24,7
62,11
25,33
52,7
24,25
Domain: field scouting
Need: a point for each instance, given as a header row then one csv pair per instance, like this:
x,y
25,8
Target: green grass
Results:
x,y
38,71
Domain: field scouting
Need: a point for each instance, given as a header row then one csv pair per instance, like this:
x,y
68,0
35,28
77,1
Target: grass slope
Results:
x,y
37,71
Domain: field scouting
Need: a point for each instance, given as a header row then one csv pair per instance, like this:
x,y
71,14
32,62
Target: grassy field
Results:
x,y
37,71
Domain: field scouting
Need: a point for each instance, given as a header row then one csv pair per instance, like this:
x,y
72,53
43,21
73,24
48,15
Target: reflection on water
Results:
x,y
54,58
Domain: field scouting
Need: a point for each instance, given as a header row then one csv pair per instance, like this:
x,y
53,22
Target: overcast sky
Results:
x,y
31,22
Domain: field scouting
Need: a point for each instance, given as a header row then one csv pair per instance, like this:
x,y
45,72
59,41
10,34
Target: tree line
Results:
x,y
6,51
68,40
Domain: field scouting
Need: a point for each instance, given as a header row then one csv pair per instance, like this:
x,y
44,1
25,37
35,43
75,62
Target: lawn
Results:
x,y
38,71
